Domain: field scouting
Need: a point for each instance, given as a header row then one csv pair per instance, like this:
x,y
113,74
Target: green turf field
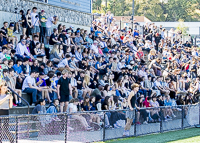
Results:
x,y
182,136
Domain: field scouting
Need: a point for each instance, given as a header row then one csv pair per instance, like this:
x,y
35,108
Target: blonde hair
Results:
x,y
86,79
55,49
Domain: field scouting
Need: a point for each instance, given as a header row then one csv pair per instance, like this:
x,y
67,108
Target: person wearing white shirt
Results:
x,y
35,22
3,53
29,86
49,23
22,51
94,47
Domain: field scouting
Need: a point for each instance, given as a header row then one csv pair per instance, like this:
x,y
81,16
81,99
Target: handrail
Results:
x,y
20,97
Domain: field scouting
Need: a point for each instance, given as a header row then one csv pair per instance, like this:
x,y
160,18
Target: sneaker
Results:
x,y
138,123
89,128
173,115
145,122
19,104
17,32
115,126
14,104
169,118
125,132
70,128
33,104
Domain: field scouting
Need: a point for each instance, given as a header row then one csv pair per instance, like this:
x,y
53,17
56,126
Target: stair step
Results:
x,y
24,131
24,123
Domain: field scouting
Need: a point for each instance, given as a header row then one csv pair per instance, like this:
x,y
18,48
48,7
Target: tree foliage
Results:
x,y
155,10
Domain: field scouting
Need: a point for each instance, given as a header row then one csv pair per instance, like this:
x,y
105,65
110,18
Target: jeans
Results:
x,y
21,57
34,93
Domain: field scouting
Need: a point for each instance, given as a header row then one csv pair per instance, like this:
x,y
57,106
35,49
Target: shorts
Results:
x,y
130,114
36,29
48,32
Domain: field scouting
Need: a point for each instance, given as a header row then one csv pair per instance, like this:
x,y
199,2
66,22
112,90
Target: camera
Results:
x,y
36,16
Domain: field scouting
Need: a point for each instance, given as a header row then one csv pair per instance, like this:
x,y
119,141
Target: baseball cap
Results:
x,y
71,26
42,11
41,73
5,59
78,31
69,31
11,24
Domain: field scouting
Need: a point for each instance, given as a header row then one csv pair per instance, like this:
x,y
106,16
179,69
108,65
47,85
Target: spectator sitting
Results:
x,y
10,34
22,51
72,108
3,53
3,40
54,54
40,82
40,107
29,86
53,108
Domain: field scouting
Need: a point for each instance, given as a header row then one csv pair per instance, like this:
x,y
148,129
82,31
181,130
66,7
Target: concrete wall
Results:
x,y
81,5
66,16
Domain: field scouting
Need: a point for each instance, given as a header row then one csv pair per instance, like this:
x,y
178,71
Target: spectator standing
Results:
x,y
43,21
29,22
132,105
35,22
64,90
24,22
49,23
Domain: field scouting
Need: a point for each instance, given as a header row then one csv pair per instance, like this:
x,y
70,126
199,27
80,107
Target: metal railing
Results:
x,y
104,125
20,98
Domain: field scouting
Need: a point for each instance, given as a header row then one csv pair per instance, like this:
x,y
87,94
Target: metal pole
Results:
x,y
120,24
16,130
65,127
132,13
135,132
161,121
104,132
182,121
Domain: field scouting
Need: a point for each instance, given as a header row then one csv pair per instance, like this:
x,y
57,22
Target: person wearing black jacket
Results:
x,y
33,44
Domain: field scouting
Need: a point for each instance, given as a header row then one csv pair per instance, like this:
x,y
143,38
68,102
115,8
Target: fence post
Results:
x,y
199,113
1,135
120,24
65,126
16,137
135,123
161,121
104,132
182,121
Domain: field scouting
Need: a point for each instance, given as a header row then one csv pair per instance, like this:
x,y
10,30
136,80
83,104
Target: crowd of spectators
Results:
x,y
89,70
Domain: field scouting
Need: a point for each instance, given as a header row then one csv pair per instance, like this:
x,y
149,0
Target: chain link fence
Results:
x,y
95,126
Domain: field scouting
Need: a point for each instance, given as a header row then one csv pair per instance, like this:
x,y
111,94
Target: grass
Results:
x,y
191,135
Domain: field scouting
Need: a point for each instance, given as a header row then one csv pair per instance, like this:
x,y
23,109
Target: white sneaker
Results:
x,y
174,115
17,32
145,122
70,128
